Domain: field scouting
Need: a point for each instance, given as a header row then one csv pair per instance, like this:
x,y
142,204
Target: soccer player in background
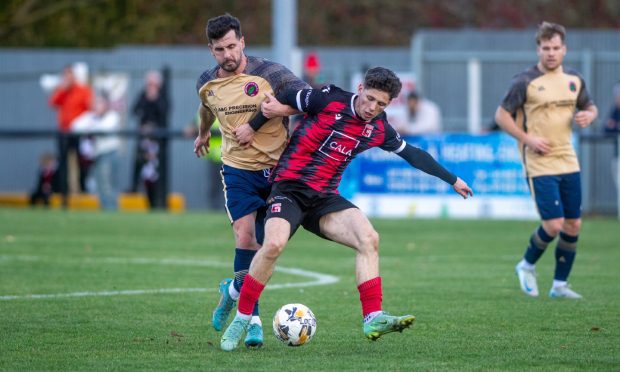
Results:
x,y
337,127
232,92
538,111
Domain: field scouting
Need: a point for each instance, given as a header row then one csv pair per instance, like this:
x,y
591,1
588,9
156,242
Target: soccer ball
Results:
x,y
294,324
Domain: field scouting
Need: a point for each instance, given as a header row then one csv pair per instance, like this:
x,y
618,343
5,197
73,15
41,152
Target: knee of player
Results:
x,y
553,227
273,248
245,239
572,227
370,240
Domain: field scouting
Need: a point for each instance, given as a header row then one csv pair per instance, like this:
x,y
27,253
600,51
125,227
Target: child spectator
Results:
x,y
47,180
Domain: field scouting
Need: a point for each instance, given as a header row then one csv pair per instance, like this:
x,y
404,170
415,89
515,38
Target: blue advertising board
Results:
x,y
490,163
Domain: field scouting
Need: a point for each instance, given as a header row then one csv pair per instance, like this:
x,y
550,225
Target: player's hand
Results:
x,y
268,106
272,108
244,134
201,144
538,145
584,118
462,189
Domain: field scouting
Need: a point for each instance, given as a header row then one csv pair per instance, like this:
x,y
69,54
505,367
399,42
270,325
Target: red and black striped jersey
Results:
x,y
329,137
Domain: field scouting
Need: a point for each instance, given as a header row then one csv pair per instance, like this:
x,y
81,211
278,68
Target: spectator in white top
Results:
x,y
105,148
424,116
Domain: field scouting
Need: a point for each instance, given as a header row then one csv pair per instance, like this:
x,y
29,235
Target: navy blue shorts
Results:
x,y
245,191
557,196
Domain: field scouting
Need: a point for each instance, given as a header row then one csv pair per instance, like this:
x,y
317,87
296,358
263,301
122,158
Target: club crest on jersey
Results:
x,y
572,86
367,132
338,117
339,146
276,207
251,89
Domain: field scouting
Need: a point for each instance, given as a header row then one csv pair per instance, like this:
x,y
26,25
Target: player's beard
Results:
x,y
231,65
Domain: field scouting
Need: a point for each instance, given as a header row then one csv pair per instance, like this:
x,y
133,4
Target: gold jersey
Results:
x,y
544,105
236,99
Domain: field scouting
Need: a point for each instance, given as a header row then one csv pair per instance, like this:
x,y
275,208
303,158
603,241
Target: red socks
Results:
x,y
250,292
371,295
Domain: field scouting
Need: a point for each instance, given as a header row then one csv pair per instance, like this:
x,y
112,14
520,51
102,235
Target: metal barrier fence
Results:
x,y
601,195
25,146
601,187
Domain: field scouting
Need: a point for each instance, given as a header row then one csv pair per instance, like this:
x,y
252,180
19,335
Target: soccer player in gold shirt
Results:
x,y
232,92
538,110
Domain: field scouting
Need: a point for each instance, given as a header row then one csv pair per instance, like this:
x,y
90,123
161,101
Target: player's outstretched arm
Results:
x,y
422,160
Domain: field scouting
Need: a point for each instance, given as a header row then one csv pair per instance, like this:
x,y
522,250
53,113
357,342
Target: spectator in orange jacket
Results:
x,y
71,99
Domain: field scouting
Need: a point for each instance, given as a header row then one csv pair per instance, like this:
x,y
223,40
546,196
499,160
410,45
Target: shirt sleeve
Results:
x,y
583,99
422,160
311,101
516,95
202,80
58,97
393,142
82,123
284,79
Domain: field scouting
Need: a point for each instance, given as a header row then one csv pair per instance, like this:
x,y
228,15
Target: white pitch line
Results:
x,y
317,278
128,292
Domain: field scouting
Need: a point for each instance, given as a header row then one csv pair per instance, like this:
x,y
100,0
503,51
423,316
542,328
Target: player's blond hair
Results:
x,y
547,30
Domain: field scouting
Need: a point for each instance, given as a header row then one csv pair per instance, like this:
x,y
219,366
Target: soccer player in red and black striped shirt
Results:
x,y
338,125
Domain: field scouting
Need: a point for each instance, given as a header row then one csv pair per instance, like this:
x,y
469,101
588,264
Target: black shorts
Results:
x,y
301,205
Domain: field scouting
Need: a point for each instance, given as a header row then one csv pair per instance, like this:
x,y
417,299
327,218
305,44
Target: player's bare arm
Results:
x,y
201,144
585,118
504,119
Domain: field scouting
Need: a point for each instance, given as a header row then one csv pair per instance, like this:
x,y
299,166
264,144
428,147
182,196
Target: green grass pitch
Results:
x,y
108,291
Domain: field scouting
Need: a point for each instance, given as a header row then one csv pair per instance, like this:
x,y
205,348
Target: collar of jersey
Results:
x,y
355,112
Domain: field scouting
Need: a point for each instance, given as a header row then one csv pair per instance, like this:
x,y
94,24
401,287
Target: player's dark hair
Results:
x,y
219,26
547,30
382,79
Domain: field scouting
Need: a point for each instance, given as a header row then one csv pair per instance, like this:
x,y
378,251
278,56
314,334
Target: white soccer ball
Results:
x,y
294,324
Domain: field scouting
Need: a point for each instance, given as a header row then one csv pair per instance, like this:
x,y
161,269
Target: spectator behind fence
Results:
x,y
613,121
424,116
213,159
105,148
71,98
47,180
149,169
151,109
612,126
